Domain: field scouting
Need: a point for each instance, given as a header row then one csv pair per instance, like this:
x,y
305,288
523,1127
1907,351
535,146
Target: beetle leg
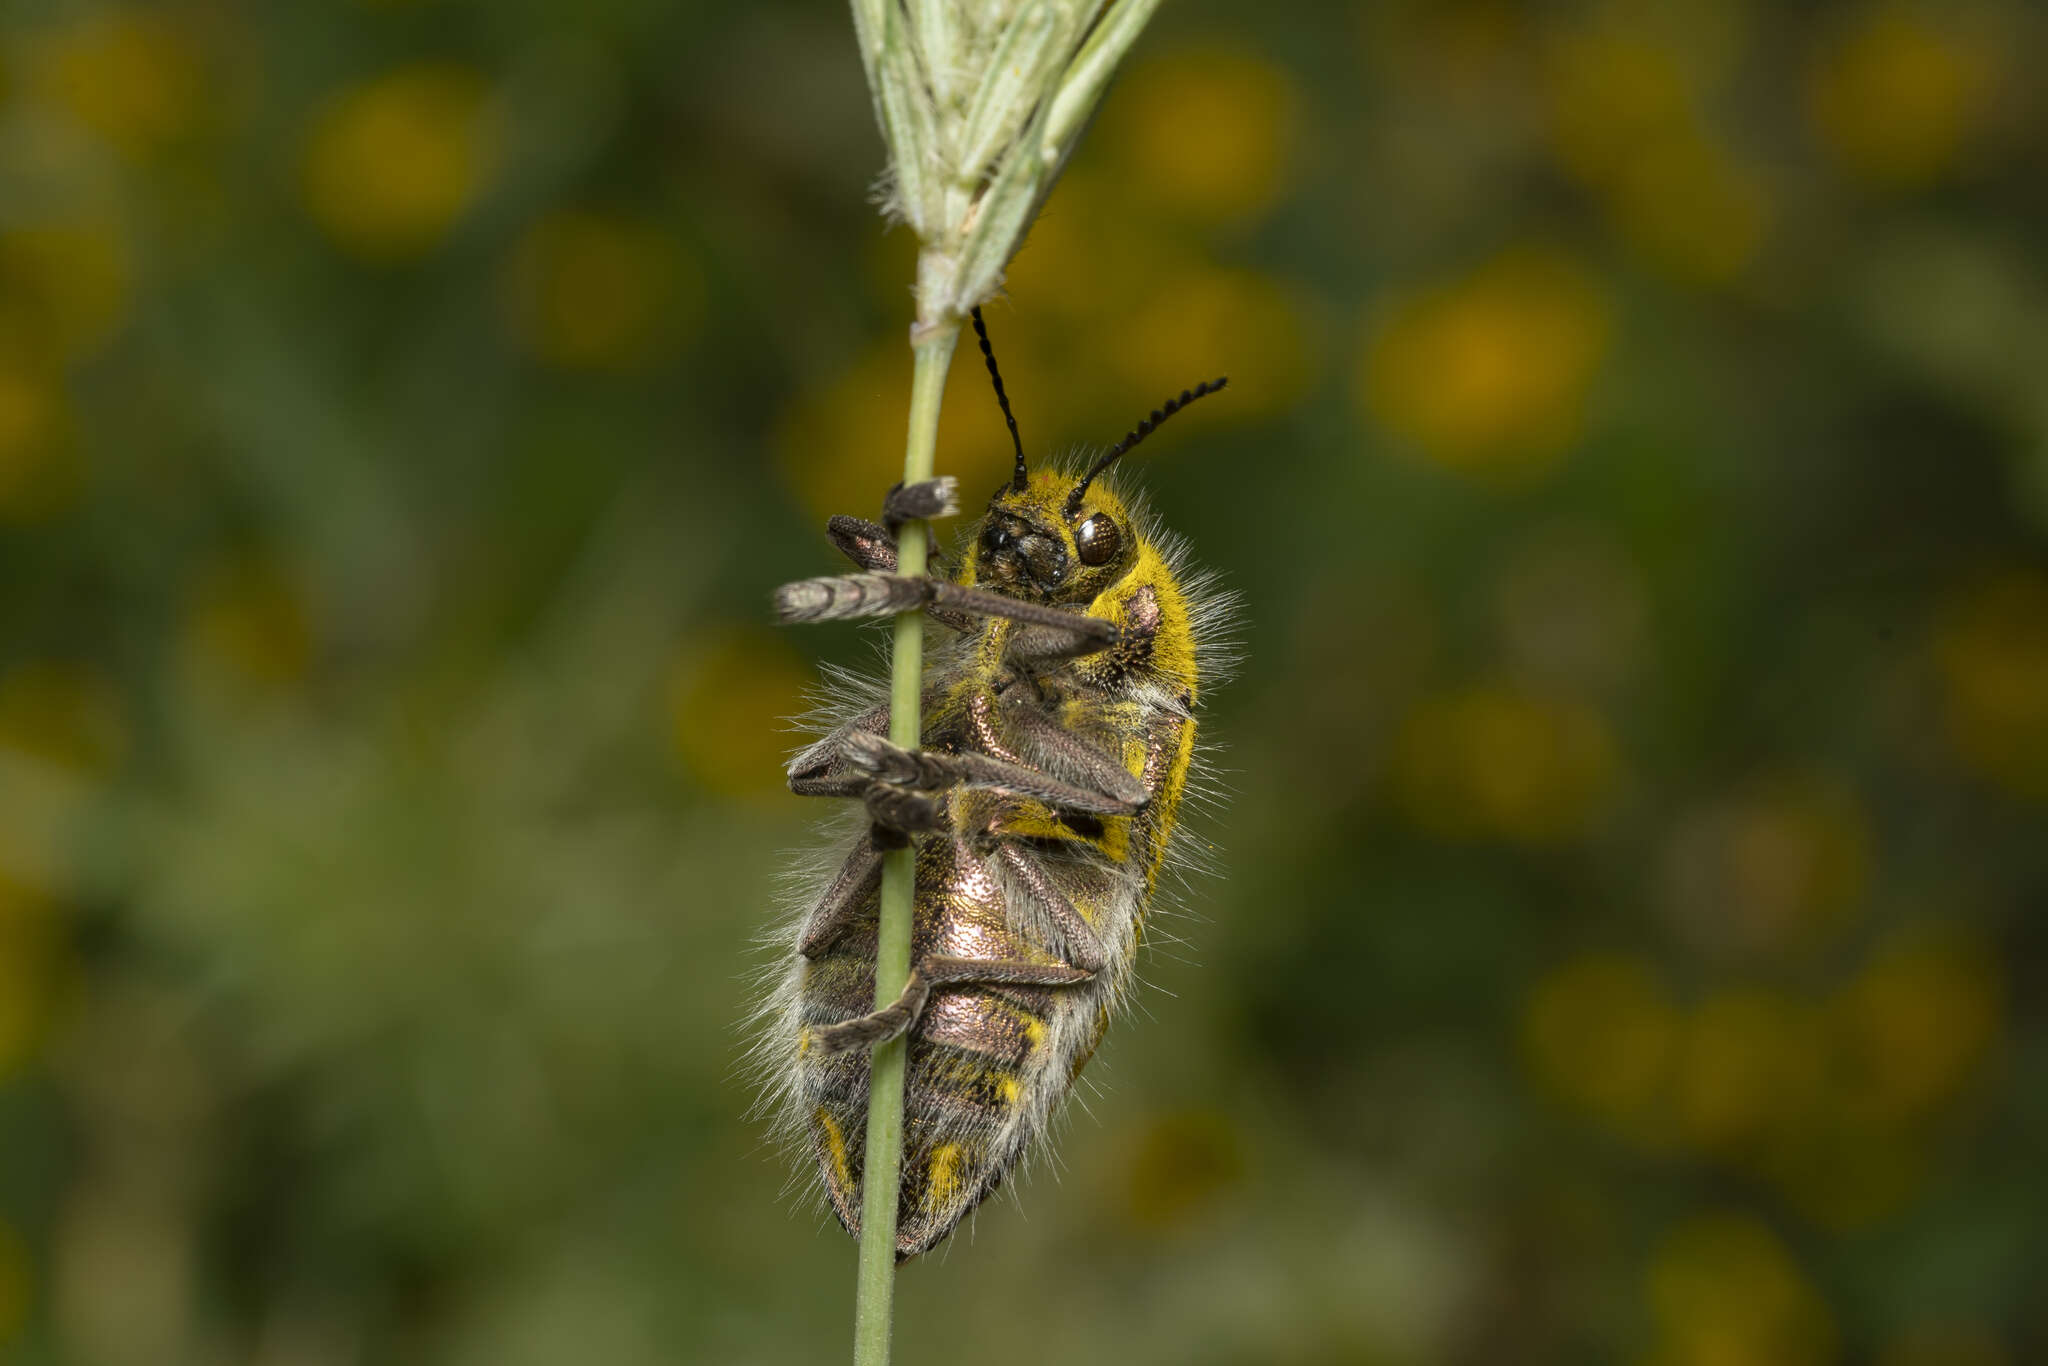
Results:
x,y
872,547
1083,948
899,812
881,1025
934,770
919,502
849,597
867,544
1057,748
819,770
849,889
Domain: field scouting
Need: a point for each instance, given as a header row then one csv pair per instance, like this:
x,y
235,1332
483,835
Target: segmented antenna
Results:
x,y
1139,433
996,377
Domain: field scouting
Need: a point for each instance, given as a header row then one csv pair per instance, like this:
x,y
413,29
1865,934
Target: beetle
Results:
x,y
1057,746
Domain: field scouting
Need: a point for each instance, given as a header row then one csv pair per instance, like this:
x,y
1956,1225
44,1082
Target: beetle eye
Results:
x,y
1098,539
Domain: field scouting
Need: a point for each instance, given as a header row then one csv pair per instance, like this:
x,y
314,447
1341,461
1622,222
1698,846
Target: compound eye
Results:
x,y
1098,539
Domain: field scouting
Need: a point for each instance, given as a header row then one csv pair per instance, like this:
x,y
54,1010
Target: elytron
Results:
x,y
1058,740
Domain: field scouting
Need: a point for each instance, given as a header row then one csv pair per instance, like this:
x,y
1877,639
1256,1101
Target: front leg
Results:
x,y
851,597
872,546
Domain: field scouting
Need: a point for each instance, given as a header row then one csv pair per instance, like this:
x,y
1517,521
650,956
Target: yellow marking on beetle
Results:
x,y
1170,794
1027,1022
803,1041
942,1184
1173,646
835,1146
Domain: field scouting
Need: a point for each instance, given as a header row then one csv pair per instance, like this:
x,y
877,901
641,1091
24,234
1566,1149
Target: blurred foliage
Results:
x,y
1636,473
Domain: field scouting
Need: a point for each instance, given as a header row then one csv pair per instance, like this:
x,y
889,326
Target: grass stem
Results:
x,y
875,1287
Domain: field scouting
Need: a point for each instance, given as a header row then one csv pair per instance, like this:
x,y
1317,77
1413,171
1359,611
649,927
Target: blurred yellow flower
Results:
x,y
590,290
64,288
730,700
67,715
1916,1021
130,76
1738,1060
1492,763
1209,323
1625,118
840,449
1780,867
1724,1291
1690,208
15,1285
391,165
1991,650
1206,131
248,628
39,465
1900,97
1490,374
1614,94
31,969
1600,1032
1090,262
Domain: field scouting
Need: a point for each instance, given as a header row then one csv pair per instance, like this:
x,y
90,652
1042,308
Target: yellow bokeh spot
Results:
x,y
1614,95
1691,209
599,291
1207,132
1090,263
129,76
391,165
1625,118
1724,1291
1737,1060
730,699
1600,1032
1492,763
63,714
39,466
841,448
1217,322
248,627
1991,649
64,288
30,968
16,1285
1917,1020
1489,374
1898,99
1780,868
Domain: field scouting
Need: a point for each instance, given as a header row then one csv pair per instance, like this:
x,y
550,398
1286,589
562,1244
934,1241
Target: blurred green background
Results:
x,y
1629,943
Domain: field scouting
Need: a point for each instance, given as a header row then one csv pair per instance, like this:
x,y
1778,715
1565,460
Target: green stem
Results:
x,y
881,1179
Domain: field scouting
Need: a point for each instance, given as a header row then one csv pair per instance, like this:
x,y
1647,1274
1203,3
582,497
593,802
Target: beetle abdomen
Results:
x,y
981,1068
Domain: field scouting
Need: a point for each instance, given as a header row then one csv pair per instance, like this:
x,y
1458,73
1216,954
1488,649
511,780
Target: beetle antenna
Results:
x,y
996,377
1139,433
